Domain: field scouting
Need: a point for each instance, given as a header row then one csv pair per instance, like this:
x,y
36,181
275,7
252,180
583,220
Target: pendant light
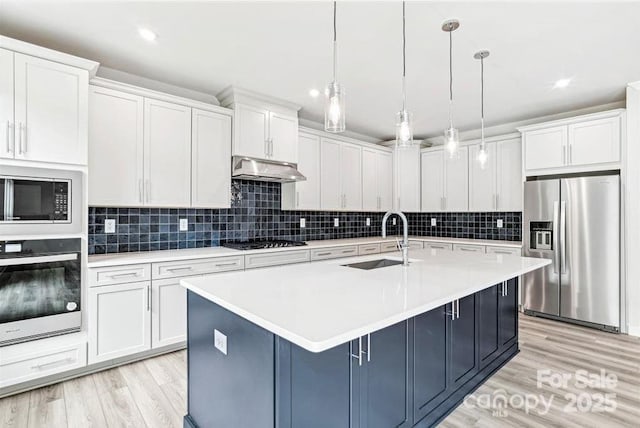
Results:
x,y
483,155
334,108
451,138
404,130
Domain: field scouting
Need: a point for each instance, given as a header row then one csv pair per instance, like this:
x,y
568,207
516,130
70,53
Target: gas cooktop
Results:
x,y
256,245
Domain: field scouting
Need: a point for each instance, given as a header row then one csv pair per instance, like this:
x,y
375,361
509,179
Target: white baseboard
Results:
x,y
634,330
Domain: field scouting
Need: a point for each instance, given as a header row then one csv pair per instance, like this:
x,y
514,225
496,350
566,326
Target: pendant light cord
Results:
x,y
450,79
482,99
404,54
335,44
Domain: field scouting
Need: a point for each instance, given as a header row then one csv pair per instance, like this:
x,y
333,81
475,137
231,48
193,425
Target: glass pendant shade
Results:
x,y
334,109
451,141
404,129
483,156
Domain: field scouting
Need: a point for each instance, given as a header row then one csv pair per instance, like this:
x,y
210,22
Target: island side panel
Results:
x,y
232,390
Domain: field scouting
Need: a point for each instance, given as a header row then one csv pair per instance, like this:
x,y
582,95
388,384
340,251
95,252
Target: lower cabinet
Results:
x,y
462,342
168,312
508,313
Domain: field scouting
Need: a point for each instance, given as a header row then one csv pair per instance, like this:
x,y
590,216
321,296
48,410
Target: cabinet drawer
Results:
x,y
334,252
48,362
274,259
438,246
119,274
416,245
388,246
368,249
504,251
469,248
196,267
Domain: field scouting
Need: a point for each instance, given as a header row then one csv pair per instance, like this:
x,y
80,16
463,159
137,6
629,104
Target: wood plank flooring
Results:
x,y
152,393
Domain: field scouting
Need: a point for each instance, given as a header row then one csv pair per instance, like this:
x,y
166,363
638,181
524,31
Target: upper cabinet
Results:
x,y
497,186
305,195
406,179
166,154
264,127
340,176
584,143
377,180
445,185
43,109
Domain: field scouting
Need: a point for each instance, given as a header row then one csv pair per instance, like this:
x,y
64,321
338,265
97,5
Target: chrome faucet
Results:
x,y
404,246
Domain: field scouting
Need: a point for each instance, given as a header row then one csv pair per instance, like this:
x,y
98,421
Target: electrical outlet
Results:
x,y
368,221
499,223
303,223
336,222
393,221
433,222
184,225
220,341
110,225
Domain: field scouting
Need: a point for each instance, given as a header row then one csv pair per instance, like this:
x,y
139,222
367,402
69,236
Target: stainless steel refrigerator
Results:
x,y
575,222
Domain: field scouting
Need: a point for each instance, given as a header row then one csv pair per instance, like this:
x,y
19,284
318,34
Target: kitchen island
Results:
x,y
327,345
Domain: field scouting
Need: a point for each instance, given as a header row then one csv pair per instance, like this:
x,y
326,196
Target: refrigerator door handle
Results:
x,y
563,236
556,239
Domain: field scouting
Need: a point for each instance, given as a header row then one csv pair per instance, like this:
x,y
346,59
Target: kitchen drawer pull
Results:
x,y
439,247
347,251
324,254
226,264
52,363
502,252
468,249
179,269
123,275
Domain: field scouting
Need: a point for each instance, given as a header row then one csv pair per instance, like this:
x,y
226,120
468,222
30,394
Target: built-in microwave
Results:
x,y
36,201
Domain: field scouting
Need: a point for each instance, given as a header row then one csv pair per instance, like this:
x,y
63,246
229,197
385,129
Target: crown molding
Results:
x,y
234,94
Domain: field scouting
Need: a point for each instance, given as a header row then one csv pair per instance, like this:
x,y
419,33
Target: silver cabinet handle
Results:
x,y
226,264
564,155
140,190
438,247
467,249
148,298
20,130
570,153
297,198
23,138
457,308
368,347
8,136
123,275
179,269
324,254
502,252
358,356
52,363
271,146
453,311
266,147
148,195
347,251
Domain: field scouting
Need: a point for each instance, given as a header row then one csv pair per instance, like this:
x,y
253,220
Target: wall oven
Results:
x,y
40,289
35,201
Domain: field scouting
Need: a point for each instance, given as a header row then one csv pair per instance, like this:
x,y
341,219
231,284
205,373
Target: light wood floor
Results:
x,y
152,393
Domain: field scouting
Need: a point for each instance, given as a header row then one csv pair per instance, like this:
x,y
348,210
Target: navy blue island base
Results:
x,y
411,374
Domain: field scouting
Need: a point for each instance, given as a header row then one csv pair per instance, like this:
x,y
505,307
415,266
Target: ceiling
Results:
x,y
283,49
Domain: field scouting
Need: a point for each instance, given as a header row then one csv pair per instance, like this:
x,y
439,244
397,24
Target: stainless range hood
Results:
x,y
246,168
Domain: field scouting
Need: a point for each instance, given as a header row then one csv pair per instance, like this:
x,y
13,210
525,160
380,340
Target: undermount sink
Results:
x,y
374,264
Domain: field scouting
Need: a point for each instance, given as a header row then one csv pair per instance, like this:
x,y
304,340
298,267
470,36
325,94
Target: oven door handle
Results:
x,y
39,259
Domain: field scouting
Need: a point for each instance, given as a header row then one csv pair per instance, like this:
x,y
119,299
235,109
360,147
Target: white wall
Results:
x,y
632,209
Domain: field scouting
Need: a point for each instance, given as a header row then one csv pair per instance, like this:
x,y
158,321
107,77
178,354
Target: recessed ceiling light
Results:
x,y
147,34
562,83
314,93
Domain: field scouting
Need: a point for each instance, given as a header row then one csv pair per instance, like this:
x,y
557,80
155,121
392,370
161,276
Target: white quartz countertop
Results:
x,y
321,305
118,259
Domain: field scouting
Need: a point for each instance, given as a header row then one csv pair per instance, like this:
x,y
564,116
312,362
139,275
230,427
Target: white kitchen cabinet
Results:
x,y
509,185
545,148
377,180
305,195
168,312
119,320
210,159
351,176
483,181
265,134
115,148
341,175
456,181
7,121
595,141
407,179
51,111
432,181
167,154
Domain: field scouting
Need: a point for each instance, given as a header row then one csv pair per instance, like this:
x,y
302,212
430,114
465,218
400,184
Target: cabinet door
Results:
x,y
595,141
509,175
51,111
283,131
115,148
167,154
251,131
351,176
456,181
385,181
370,176
430,363
407,179
489,345
6,105
119,320
545,148
463,344
384,383
482,181
432,181
509,314
305,195
210,159
168,312
330,188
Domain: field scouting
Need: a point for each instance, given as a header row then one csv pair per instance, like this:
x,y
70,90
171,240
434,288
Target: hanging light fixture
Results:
x,y
483,155
451,138
404,126
334,108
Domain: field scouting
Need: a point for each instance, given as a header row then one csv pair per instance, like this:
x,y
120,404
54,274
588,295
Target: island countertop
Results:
x,y
320,305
